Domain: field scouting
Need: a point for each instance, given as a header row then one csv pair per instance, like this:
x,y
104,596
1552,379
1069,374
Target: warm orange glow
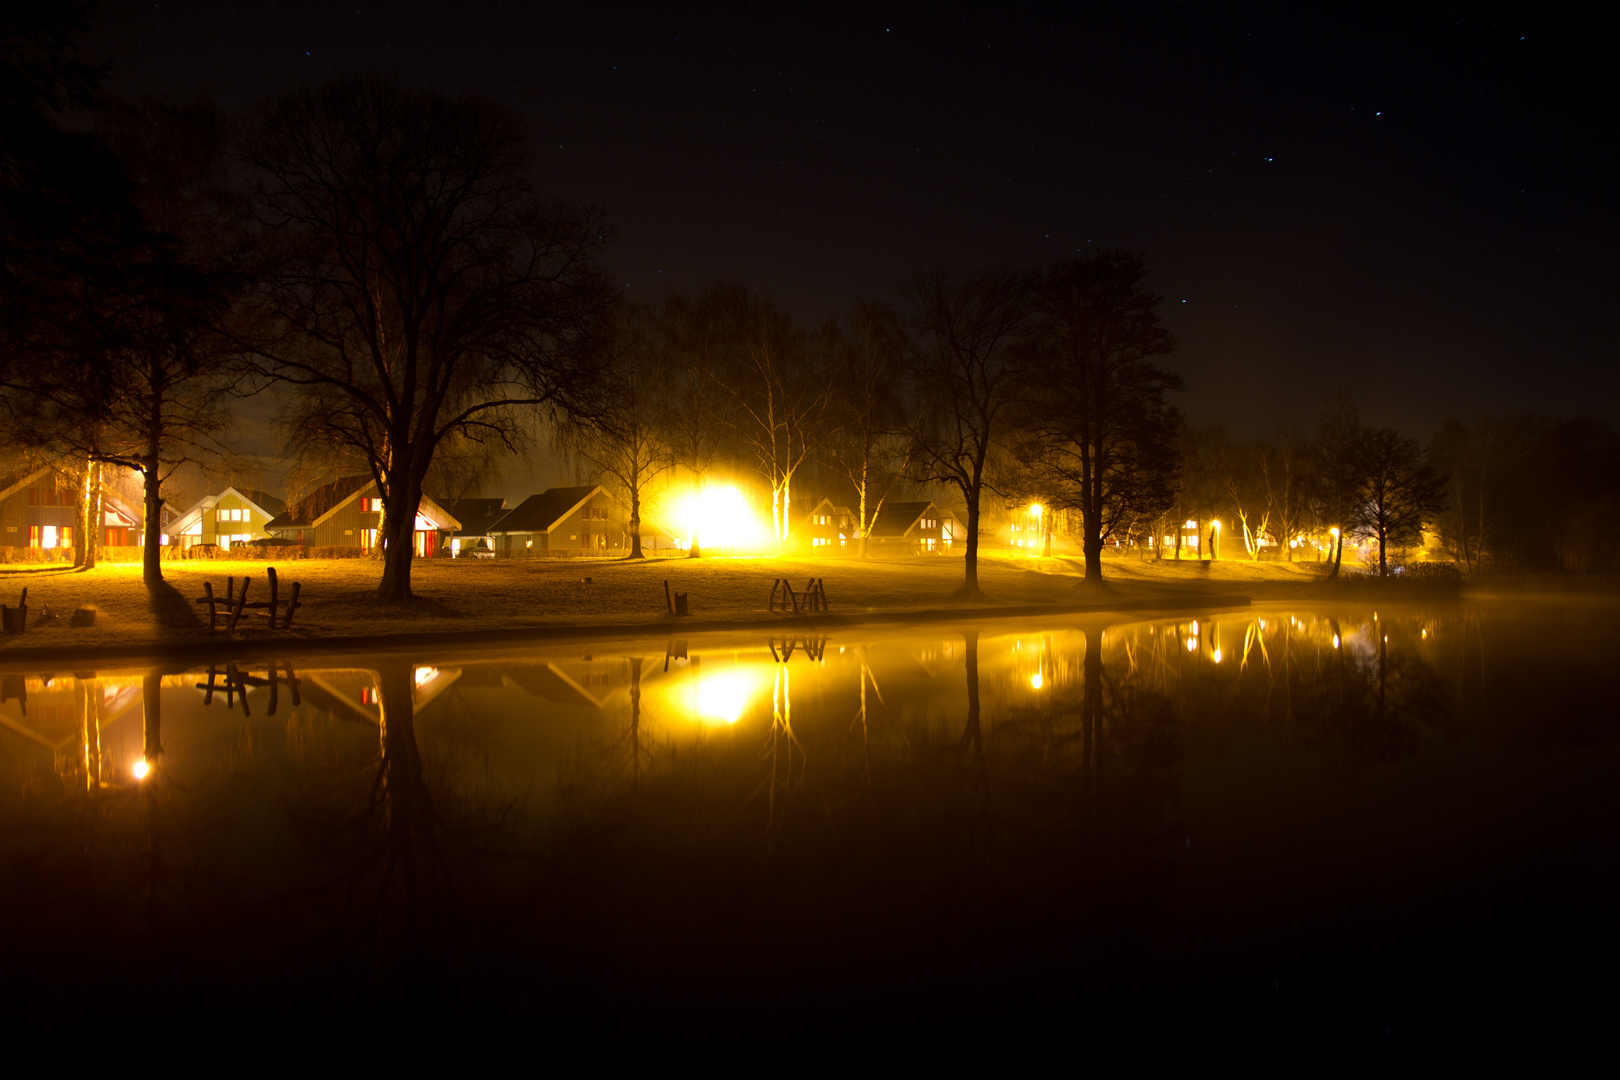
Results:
x,y
1334,532
1216,656
1335,641
142,767
722,697
1036,509
1036,681
1192,644
721,518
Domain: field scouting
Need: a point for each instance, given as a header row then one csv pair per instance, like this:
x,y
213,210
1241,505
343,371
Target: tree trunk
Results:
x,y
1093,546
970,583
635,522
396,536
695,548
1214,541
1383,563
88,518
152,526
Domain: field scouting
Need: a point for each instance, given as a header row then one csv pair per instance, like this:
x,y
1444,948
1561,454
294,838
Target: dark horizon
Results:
x,y
1409,207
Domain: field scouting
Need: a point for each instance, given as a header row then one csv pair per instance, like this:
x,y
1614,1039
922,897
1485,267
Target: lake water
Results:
x,y
1357,819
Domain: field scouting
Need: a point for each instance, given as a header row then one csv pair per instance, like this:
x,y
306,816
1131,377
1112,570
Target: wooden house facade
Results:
x,y
828,528
227,519
347,513
559,521
40,510
920,527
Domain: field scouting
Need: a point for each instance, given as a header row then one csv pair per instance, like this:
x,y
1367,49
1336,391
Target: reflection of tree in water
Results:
x,y
1368,704
396,869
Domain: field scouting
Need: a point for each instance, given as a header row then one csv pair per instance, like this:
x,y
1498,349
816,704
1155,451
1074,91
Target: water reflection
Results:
x,y
389,827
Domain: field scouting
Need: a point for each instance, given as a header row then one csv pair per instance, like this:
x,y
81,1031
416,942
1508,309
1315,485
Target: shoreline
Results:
x,y
665,626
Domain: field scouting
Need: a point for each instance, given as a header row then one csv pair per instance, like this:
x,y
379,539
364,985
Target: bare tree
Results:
x,y
415,286
781,393
625,442
1397,490
866,441
1097,429
693,342
967,371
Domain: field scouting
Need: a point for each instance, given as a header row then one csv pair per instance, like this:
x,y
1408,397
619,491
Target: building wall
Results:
x,y
31,508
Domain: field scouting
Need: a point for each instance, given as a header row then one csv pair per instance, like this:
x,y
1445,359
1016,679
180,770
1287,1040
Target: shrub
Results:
x,y
34,555
335,553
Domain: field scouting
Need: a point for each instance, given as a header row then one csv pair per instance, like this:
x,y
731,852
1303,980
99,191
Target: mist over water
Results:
x,y
1351,818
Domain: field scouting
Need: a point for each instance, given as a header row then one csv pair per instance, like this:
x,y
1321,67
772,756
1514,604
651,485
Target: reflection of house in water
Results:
x,y
352,692
935,657
591,683
69,717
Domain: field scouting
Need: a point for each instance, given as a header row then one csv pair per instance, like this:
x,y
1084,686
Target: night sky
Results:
x,y
1420,208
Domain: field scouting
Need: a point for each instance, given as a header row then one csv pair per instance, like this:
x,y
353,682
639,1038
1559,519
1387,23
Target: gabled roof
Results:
x,y
477,516
303,513
898,518
542,512
328,499
270,504
265,503
10,485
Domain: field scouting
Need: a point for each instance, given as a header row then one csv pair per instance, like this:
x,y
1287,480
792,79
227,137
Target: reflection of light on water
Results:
x,y
425,675
142,767
1035,680
1335,641
1195,627
1192,644
723,697
1216,656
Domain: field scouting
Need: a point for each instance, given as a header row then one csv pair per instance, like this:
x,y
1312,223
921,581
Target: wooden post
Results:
x,y
208,594
286,623
669,601
236,608
271,573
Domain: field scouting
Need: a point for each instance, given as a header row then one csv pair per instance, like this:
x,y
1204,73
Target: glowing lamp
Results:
x,y
142,767
1216,656
1036,681
1333,532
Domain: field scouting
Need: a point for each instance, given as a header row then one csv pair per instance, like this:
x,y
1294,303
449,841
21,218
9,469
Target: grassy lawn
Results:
x,y
465,594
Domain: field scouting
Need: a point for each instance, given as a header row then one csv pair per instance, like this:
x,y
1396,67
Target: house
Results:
x,y
828,528
347,512
477,517
39,509
227,519
913,526
569,520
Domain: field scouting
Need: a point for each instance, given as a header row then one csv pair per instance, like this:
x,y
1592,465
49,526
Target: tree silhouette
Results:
x,y
1100,434
968,369
414,285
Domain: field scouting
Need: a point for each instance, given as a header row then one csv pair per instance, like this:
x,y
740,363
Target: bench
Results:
x,y
811,600
233,604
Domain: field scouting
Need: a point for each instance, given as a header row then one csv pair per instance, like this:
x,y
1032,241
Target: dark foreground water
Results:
x,y
1348,820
